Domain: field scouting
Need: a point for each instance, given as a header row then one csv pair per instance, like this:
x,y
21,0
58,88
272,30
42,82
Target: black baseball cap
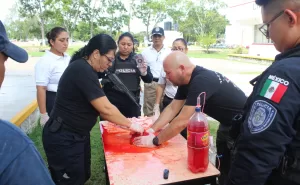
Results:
x,y
158,31
11,50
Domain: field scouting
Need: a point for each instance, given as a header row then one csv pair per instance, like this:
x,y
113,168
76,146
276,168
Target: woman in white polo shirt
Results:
x,y
49,69
164,85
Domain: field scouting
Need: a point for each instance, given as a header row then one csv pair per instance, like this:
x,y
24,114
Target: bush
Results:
x,y
238,50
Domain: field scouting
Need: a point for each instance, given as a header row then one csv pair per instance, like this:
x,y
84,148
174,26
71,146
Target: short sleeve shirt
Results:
x,y
170,89
223,98
49,69
78,86
155,59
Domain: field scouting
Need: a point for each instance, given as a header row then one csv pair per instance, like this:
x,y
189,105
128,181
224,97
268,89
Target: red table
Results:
x,y
131,165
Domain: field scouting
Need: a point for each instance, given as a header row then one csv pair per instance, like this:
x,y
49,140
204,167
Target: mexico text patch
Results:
x,y
261,116
274,88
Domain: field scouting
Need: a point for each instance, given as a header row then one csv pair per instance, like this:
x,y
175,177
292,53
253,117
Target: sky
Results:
x,y
4,8
135,23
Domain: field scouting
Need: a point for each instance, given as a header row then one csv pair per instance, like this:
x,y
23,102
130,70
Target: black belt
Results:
x,y
167,97
155,79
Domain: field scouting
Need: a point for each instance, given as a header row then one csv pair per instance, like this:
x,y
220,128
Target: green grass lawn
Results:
x,y
97,176
38,52
201,54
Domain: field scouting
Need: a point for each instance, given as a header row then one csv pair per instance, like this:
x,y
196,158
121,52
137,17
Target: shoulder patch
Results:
x,y
261,116
274,88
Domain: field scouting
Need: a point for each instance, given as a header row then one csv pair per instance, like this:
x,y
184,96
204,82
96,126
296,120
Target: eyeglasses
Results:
x,y
177,49
109,59
265,27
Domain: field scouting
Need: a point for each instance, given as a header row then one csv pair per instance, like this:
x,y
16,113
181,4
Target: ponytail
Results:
x,y
79,54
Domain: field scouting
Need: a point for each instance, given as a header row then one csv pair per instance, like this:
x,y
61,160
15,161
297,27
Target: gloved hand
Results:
x,y
150,131
44,119
136,127
144,141
156,109
141,64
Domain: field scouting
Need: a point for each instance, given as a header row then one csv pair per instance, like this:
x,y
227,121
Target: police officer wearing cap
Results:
x,y
268,146
154,55
20,162
130,72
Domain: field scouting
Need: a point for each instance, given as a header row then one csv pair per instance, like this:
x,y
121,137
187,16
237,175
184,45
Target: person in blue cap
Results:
x,y
20,162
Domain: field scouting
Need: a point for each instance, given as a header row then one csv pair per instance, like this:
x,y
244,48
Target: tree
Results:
x,y
82,31
32,9
207,40
66,13
176,9
200,19
117,16
92,13
151,11
130,12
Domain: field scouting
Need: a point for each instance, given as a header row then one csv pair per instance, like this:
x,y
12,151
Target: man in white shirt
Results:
x,y
154,55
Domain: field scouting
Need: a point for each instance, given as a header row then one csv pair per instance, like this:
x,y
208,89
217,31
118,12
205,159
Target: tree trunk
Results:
x,y
42,23
43,32
128,26
91,29
207,49
147,25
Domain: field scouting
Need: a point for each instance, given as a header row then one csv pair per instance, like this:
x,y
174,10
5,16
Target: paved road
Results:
x,y
18,89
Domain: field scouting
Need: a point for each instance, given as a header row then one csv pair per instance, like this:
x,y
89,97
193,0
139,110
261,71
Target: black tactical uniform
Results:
x,y
130,75
66,135
268,147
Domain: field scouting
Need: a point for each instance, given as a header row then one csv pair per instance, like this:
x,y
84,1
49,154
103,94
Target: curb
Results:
x,y
251,57
20,117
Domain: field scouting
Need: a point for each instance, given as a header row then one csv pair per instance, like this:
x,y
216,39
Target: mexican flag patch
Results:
x,y
274,88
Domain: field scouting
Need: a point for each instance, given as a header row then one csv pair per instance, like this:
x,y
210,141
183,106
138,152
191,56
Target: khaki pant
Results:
x,y
149,98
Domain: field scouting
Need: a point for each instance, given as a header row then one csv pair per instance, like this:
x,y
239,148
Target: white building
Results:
x,y
245,19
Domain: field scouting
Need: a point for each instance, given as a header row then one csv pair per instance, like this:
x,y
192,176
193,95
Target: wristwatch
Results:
x,y
155,141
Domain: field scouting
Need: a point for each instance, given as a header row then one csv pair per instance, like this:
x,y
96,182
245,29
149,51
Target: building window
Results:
x,y
259,38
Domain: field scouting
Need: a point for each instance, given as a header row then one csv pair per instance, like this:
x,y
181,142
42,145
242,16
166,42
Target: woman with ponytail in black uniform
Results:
x,y
79,101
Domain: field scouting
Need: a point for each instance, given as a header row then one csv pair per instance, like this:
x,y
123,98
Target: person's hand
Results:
x,y
136,127
144,141
150,131
156,109
44,119
141,64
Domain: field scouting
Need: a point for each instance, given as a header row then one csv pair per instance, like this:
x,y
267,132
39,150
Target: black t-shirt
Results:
x,y
78,86
223,98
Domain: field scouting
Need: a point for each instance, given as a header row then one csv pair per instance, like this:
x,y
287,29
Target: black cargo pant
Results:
x,y
166,101
68,154
223,143
50,100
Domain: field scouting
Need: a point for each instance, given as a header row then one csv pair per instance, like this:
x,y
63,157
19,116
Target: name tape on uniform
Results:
x,y
274,88
261,116
126,70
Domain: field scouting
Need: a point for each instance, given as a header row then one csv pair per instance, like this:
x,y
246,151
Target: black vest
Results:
x,y
128,72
